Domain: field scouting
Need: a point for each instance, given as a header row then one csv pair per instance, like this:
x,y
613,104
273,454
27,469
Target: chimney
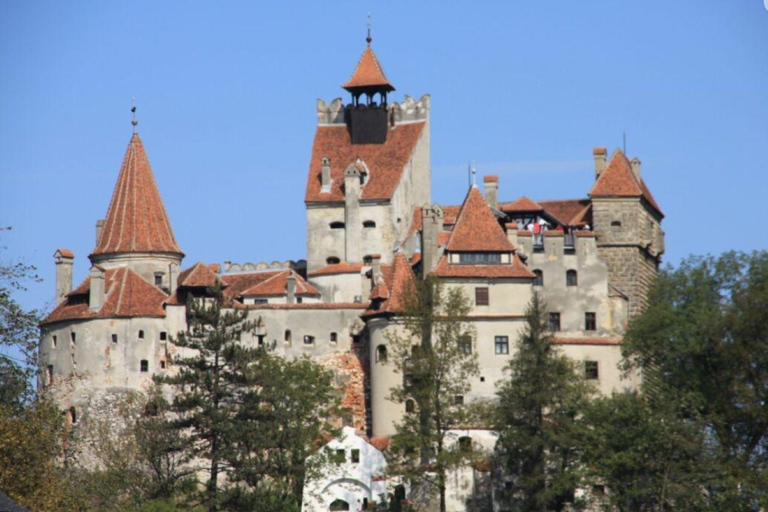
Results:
x,y
491,190
173,277
97,288
511,228
600,155
352,226
325,175
636,168
64,259
99,229
290,288
431,226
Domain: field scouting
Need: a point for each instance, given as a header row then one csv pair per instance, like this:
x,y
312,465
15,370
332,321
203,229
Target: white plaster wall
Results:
x,y
342,288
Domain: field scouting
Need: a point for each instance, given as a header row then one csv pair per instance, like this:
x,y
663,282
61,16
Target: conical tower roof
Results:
x,y
368,74
136,219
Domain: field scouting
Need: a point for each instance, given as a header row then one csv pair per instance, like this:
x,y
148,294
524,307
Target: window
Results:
x,y
333,260
479,258
309,340
337,225
369,224
616,224
465,444
355,455
162,364
114,338
590,321
72,416
356,339
54,341
49,375
260,301
163,335
341,456
141,335
260,340
158,279
410,406
368,259
298,300
590,370
73,338
144,365
554,321
465,344
458,400
339,505
502,344
539,279
334,337
571,278
287,335
381,354
481,296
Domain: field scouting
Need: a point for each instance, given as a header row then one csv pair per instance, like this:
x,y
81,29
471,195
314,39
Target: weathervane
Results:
x,y
471,174
369,38
134,121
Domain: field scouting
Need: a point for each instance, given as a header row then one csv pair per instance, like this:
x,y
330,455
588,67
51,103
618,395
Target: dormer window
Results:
x,y
480,258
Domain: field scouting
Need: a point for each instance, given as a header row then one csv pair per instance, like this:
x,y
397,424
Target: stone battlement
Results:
x,y
233,268
407,110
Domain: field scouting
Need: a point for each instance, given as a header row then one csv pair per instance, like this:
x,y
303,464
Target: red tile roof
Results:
x,y
600,151
199,275
127,294
136,218
516,269
238,283
618,180
337,268
277,285
399,281
368,73
521,204
491,178
385,161
65,253
476,227
566,211
449,218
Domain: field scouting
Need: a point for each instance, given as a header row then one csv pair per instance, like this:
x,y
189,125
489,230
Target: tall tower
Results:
x,y
627,221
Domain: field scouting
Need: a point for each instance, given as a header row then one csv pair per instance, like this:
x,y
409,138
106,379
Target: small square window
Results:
x,y
458,399
334,337
590,321
163,335
482,379
355,455
465,345
158,279
571,278
501,344
260,340
114,338
554,322
410,406
162,364
341,456
298,300
141,335
538,280
481,296
309,340
591,371
144,365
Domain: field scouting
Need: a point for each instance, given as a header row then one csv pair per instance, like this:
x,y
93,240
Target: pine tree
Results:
x,y
433,352
537,421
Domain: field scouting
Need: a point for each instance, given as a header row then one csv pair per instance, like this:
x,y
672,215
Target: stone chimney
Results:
x,y
325,175
99,229
600,155
173,277
491,190
97,288
64,259
352,226
290,288
636,168
431,226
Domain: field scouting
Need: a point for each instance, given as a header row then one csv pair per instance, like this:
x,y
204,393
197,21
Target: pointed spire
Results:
x,y
136,219
369,38
134,121
368,75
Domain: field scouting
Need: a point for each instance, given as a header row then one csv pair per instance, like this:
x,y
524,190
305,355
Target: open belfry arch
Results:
x,y
372,232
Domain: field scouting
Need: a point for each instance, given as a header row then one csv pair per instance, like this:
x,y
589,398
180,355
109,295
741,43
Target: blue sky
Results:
x,y
226,94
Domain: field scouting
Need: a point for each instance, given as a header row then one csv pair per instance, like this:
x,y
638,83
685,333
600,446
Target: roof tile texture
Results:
x,y
368,73
618,180
476,228
136,219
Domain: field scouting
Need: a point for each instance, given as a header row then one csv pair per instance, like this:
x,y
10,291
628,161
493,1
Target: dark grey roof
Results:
x,y
8,505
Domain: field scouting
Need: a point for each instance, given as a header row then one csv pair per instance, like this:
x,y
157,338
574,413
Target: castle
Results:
x,y
371,229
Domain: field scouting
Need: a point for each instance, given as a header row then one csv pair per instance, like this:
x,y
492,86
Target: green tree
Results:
x,y
18,333
431,346
538,420
703,340
212,373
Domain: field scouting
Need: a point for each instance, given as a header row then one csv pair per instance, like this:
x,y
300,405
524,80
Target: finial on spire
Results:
x,y
134,121
369,38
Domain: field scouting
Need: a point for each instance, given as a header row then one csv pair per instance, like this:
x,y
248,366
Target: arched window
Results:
x,y
410,406
615,224
339,505
571,278
369,224
539,279
287,335
381,354
337,225
333,260
465,444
